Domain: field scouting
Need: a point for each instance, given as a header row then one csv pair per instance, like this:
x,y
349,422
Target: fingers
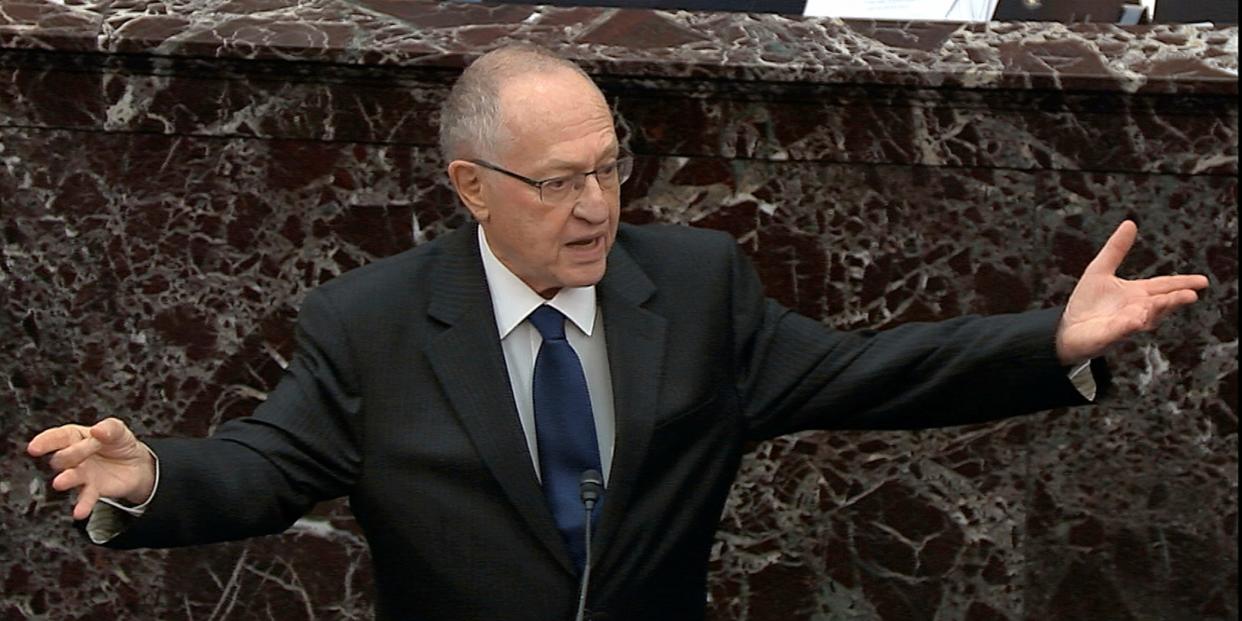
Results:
x,y
1165,304
1157,316
70,445
55,439
1168,284
74,443
1148,316
74,454
88,494
69,479
86,502
1114,250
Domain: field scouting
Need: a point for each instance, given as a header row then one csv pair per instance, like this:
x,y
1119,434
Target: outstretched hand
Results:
x,y
1105,309
102,461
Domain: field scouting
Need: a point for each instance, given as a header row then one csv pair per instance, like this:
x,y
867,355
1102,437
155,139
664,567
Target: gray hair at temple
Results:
x,y
471,120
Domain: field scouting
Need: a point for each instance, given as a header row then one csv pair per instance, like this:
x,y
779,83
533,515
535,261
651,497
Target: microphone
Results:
x,y
590,488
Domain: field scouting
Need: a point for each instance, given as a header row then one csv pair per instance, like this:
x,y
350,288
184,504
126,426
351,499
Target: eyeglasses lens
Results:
x,y
569,188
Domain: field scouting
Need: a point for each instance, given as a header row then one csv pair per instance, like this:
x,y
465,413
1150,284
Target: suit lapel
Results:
x,y
636,341
470,365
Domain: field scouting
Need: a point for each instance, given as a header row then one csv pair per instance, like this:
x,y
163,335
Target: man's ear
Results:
x,y
469,185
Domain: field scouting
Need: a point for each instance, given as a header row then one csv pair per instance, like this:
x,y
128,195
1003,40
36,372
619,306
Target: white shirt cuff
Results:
x,y
1084,380
112,516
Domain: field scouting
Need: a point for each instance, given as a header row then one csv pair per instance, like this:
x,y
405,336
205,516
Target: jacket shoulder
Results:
x,y
398,280
661,246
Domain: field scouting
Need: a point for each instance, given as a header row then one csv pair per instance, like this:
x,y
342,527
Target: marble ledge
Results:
x,y
643,43
1024,130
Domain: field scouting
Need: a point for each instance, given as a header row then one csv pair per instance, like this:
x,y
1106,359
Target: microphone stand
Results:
x,y
589,488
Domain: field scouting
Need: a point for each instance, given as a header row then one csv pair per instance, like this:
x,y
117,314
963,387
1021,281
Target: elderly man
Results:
x,y
458,392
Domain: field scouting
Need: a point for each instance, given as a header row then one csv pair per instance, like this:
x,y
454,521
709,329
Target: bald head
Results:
x,y
472,120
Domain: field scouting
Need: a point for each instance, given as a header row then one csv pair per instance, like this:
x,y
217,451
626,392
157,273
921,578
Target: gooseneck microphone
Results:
x,y
590,487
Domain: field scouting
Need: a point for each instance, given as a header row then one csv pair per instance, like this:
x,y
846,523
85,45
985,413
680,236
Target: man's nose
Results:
x,y
592,204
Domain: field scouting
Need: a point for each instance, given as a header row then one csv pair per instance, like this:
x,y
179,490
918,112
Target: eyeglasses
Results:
x,y
567,188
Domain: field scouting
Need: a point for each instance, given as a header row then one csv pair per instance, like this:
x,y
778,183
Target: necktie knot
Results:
x,y
549,322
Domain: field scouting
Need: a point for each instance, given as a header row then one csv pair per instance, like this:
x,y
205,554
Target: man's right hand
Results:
x,y
102,461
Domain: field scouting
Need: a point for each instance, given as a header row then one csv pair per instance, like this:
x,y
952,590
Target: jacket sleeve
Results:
x,y
258,474
794,373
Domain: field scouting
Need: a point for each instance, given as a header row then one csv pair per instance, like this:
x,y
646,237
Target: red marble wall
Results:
x,y
175,176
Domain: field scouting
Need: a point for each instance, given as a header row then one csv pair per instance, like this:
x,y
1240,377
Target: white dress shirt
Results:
x,y
513,301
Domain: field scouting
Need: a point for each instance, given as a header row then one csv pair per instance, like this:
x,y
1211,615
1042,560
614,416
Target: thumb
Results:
x,y
109,431
1115,250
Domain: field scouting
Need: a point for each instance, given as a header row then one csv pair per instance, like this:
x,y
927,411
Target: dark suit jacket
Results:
x,y
398,398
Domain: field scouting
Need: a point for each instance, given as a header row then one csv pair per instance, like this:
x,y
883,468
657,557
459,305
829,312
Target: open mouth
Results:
x,y
584,243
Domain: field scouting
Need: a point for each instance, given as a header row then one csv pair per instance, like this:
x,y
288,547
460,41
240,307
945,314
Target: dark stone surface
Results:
x,y
174,176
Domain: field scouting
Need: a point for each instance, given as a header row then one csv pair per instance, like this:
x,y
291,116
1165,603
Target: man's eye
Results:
x,y
556,184
607,170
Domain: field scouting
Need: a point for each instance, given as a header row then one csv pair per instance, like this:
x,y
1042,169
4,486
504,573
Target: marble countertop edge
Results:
x,y
668,44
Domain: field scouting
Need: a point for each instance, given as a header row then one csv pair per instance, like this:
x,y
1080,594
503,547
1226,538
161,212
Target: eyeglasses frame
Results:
x,y
539,183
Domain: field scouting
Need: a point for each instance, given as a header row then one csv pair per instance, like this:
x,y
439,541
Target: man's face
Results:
x,y
556,124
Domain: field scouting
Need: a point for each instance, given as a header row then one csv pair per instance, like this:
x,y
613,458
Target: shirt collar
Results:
x,y
513,301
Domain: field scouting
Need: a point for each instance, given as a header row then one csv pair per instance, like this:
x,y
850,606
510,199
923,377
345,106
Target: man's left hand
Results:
x,y
1104,309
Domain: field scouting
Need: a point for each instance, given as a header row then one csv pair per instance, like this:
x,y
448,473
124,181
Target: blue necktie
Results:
x,y
565,428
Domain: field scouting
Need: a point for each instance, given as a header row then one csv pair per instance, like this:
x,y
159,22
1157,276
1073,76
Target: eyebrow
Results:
x,y
612,151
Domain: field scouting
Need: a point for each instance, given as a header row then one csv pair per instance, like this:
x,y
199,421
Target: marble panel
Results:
x,y
1010,129
1133,505
988,522
851,525
168,197
156,279
219,98
144,294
